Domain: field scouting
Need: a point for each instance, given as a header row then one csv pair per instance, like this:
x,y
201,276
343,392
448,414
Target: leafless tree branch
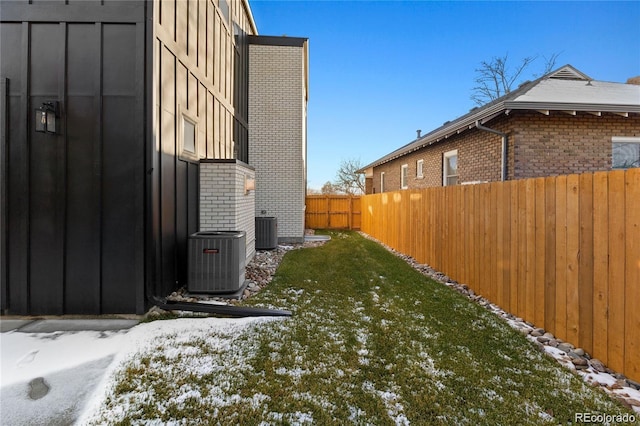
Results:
x,y
347,180
495,78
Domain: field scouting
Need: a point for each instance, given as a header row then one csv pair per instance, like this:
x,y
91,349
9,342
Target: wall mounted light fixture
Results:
x,y
47,117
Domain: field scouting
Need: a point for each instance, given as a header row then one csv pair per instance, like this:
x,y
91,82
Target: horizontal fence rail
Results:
x,y
332,212
561,252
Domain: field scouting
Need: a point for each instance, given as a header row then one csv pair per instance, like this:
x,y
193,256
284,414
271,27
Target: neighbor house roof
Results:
x,y
565,89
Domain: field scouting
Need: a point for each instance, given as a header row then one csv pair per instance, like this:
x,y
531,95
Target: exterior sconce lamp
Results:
x,y
249,184
47,117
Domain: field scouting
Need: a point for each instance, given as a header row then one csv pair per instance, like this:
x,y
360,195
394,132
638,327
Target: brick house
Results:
x,y
564,122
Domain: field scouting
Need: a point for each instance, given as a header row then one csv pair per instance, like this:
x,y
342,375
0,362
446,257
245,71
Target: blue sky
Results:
x,y
380,70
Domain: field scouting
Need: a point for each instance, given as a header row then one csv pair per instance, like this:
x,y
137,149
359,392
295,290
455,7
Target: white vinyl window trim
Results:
x,y
404,176
625,152
382,182
420,169
450,168
187,135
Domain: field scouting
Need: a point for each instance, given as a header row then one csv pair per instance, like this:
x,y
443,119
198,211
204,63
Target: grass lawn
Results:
x,y
371,341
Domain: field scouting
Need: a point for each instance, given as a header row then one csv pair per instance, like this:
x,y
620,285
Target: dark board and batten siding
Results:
x,y
200,62
74,212
96,218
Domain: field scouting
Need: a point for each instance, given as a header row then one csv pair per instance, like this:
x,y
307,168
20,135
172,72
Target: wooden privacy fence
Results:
x,y
332,212
562,252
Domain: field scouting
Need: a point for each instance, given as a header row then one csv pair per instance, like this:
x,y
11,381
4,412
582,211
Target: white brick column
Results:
x,y
225,204
277,130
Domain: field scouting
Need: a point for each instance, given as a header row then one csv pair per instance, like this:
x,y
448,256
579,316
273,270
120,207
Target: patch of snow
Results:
x,y
25,356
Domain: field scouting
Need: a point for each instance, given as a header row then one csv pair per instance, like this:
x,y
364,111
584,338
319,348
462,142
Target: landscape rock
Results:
x,y
634,384
597,365
565,347
579,361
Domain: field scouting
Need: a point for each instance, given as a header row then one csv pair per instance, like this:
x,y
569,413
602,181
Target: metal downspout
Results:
x,y
503,171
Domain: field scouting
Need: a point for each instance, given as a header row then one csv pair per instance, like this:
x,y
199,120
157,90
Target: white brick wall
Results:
x,y
277,135
224,205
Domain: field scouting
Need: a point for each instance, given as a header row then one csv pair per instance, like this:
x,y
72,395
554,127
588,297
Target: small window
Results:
x,y
189,136
450,168
188,142
419,171
625,152
382,182
404,176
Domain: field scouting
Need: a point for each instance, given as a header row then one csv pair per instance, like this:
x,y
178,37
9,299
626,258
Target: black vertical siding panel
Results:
x,y
120,170
82,289
193,185
140,163
46,236
154,253
4,116
168,172
14,41
14,44
182,218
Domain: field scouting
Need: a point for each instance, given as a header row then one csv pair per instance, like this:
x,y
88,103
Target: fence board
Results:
x,y
493,233
600,264
486,240
530,255
616,270
550,251
522,250
468,231
561,257
562,252
573,247
632,276
513,278
539,272
500,246
506,262
585,263
474,233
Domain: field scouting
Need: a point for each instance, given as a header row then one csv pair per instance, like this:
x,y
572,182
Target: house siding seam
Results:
x,y
277,136
538,145
224,203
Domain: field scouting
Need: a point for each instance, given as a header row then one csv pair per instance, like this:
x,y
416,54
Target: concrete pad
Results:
x,y
12,324
313,238
52,325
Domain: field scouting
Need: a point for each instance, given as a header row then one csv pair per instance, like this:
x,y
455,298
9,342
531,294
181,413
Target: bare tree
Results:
x,y
329,188
496,78
347,179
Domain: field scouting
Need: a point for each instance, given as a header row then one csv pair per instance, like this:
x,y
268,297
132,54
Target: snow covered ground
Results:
x,y
72,365
79,368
